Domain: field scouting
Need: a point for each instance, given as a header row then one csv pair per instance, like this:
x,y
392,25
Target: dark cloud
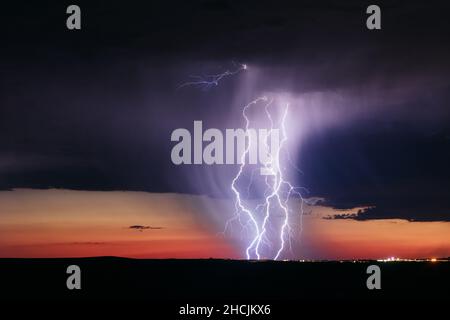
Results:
x,y
412,212
399,172
142,228
94,109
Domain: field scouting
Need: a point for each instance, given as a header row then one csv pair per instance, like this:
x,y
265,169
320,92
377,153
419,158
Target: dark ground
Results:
x,y
222,280
158,289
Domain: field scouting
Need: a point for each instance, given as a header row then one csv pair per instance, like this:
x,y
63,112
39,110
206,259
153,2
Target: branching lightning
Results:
x,y
207,81
268,236
266,225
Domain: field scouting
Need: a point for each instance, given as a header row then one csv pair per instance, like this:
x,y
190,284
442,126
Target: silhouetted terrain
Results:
x,y
221,281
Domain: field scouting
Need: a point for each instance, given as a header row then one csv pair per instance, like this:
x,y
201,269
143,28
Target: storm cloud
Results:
x,y
94,110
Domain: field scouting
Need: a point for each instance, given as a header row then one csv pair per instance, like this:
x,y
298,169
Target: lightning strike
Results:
x,y
268,237
208,81
267,225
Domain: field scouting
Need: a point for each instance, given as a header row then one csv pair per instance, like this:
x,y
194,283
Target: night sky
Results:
x,y
94,109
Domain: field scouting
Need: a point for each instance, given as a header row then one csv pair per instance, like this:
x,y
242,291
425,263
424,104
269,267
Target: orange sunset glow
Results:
x,y
63,223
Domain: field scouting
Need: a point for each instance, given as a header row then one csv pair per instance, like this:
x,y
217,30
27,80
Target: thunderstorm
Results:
x,y
268,236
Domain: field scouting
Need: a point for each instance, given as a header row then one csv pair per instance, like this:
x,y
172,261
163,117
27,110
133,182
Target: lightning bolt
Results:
x,y
258,221
240,207
259,224
208,81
